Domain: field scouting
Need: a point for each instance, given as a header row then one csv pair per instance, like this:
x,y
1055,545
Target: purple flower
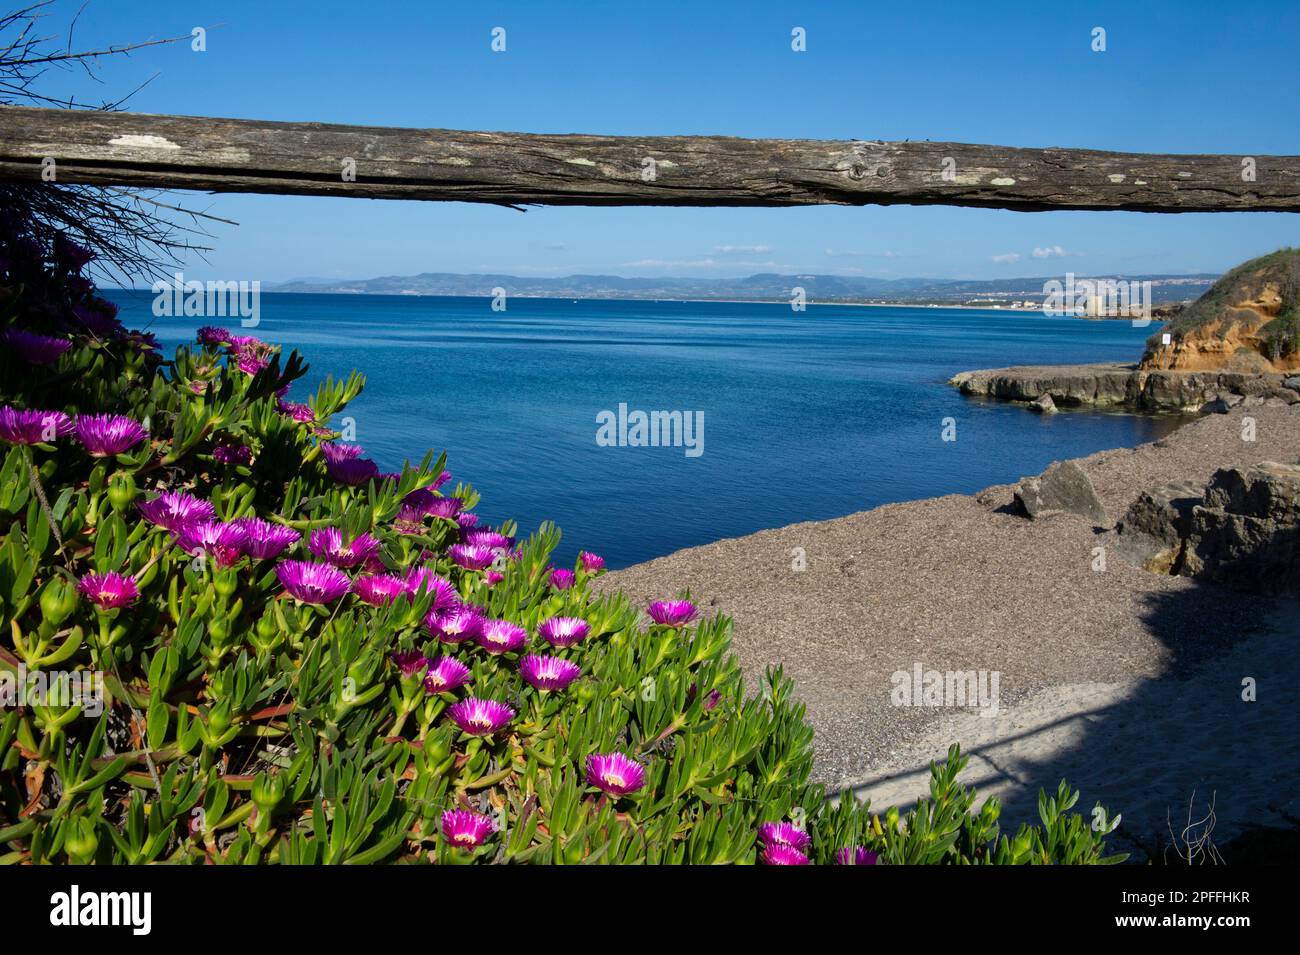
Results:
x,y
213,335
172,510
99,318
548,673
445,674
408,520
444,507
109,591
615,773
423,579
591,563
327,544
104,435
379,590
456,625
855,855
563,631
465,829
250,360
480,717
296,411
232,454
264,539
471,556
562,579
312,583
778,854
672,613
224,541
36,349
352,471
441,479
69,254
501,636
488,538
783,833
332,451
466,520
33,427
410,663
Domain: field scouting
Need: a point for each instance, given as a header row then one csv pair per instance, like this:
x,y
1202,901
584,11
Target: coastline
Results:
x,y
958,583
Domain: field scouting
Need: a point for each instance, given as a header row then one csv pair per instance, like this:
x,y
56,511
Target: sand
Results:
x,y
1127,683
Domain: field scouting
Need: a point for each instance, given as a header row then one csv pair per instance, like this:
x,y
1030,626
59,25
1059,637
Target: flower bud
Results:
x,y
268,790
121,491
58,600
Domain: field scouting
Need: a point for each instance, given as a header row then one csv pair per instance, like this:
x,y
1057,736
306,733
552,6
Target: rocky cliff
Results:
x,y
1248,321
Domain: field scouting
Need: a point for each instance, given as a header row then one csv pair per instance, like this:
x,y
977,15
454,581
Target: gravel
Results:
x,y
962,583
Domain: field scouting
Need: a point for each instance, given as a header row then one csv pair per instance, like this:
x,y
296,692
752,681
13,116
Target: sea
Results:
x,y
547,406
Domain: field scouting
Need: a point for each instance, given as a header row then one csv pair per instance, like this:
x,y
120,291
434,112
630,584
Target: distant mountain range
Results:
x,y
761,287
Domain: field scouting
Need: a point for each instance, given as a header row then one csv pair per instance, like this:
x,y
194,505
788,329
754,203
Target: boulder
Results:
x,y
1152,530
1062,488
1242,530
1044,404
1293,383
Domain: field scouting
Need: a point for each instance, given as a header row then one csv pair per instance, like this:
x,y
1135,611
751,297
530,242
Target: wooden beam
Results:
x,y
237,155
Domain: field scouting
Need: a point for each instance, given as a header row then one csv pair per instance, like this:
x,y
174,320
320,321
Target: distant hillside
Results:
x,y
762,287
1249,320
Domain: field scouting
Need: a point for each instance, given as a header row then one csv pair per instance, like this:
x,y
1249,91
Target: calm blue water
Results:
x,y
806,416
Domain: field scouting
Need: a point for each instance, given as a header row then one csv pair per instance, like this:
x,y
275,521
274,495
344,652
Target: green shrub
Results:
x,y
255,709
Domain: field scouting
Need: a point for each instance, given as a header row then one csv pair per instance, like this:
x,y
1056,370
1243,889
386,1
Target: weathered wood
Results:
x,y
233,155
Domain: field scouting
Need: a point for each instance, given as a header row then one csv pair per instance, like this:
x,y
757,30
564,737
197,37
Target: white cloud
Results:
x,y
1048,252
836,253
1006,257
742,249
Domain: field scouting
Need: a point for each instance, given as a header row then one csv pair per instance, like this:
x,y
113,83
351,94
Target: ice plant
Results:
x,y
615,773
352,471
423,580
591,563
296,411
855,855
109,591
562,579
232,454
548,673
501,636
563,631
455,625
172,510
312,583
410,663
471,556
33,427
104,435
212,335
379,590
465,829
327,544
672,613
783,833
445,674
480,717
780,854
489,538
224,542
265,540
36,349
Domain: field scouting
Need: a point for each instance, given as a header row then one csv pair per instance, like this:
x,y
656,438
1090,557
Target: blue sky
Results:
x,y
1175,77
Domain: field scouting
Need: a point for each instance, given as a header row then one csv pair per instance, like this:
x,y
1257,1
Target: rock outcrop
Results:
x,y
1062,488
1119,386
1242,530
1248,321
